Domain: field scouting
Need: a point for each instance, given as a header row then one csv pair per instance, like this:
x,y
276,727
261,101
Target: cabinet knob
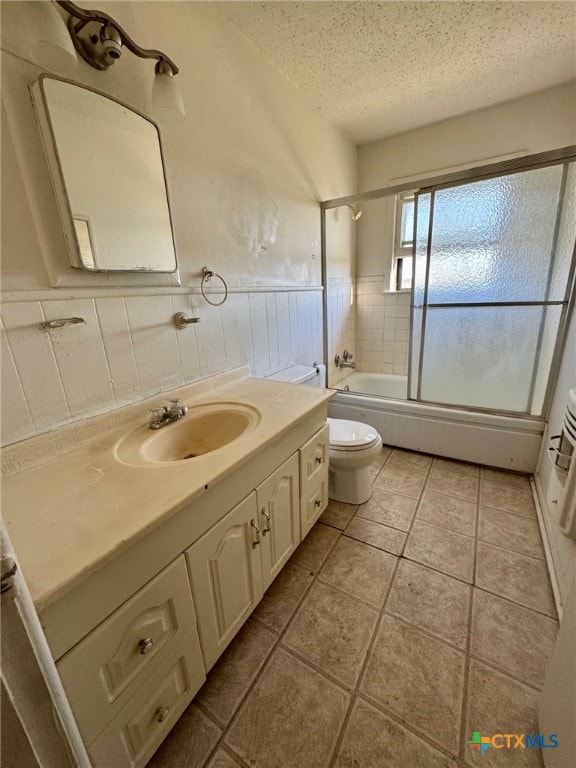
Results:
x,y
318,503
162,713
145,645
319,459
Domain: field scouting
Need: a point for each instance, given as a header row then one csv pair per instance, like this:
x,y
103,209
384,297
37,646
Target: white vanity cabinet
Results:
x,y
237,560
226,575
129,680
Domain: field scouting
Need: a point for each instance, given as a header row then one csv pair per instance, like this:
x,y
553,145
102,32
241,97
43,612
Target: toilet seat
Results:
x,y
348,435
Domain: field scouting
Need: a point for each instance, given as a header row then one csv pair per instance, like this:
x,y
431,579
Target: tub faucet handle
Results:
x,y
347,356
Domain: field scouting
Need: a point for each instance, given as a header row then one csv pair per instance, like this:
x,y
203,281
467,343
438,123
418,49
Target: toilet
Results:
x,y
353,445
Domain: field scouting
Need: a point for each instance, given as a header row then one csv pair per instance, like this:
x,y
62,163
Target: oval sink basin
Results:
x,y
204,429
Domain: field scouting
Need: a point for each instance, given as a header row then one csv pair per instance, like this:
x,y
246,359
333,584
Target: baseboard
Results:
x,y
539,503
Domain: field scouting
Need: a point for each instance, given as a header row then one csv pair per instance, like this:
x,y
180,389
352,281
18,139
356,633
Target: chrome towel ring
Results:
x,y
207,275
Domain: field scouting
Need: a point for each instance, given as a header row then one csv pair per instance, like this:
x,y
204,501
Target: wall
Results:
x,y
245,174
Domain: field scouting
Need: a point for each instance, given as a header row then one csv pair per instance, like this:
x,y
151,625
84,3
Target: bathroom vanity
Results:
x,y
143,564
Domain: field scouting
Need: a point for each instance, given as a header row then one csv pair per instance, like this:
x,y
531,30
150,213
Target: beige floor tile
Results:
x,y
315,547
189,743
378,463
513,638
413,462
432,601
338,514
461,467
497,704
443,550
515,479
220,760
380,536
519,578
333,631
507,497
463,486
448,512
229,680
372,740
418,678
360,570
291,718
516,532
389,509
281,600
398,480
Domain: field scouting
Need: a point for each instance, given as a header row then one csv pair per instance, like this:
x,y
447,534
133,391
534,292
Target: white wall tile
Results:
x,y
186,337
283,326
16,419
272,321
81,357
36,364
154,342
117,340
259,332
237,331
210,340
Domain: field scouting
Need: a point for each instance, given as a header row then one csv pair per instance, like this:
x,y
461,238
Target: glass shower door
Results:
x,y
492,273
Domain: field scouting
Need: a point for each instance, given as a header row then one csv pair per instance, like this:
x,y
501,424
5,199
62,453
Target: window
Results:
x,y
403,242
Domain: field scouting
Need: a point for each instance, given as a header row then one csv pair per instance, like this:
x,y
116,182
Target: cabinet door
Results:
x,y
279,516
226,577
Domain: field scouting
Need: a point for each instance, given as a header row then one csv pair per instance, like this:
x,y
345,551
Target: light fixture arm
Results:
x,y
87,48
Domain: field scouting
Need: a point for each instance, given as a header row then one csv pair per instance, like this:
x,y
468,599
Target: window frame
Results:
x,y
401,251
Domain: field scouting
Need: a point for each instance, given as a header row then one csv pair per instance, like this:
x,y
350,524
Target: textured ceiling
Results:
x,y
375,69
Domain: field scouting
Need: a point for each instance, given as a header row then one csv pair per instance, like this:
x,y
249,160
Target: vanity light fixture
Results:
x,y
100,40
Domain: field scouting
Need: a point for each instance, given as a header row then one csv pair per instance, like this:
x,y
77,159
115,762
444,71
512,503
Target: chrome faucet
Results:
x,y
167,414
347,360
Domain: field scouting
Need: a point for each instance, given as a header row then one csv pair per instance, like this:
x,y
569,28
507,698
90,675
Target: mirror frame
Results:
x,y
125,277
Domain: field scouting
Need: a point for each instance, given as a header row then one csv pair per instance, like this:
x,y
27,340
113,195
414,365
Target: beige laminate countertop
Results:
x,y
71,506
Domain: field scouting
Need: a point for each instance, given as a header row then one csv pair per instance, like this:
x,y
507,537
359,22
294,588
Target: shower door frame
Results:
x,y
561,156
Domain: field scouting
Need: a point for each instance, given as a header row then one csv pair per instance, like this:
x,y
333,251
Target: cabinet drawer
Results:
x,y
314,457
312,505
137,731
103,671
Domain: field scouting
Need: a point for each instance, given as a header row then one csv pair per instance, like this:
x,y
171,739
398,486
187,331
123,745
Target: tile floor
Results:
x,y
398,628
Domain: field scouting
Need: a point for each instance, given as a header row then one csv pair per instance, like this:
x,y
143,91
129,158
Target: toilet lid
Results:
x,y
351,434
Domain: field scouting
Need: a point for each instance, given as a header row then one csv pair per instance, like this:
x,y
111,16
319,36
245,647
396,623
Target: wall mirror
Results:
x,y
108,175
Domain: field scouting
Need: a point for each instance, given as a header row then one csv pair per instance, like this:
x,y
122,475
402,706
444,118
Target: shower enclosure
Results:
x,y
493,263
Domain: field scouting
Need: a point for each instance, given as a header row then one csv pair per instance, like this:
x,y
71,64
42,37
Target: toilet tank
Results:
x,y
309,375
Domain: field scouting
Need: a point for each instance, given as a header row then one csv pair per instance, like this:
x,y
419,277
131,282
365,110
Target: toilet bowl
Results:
x,y
353,445
353,448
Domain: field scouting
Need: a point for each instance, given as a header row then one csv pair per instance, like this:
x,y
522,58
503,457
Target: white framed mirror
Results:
x,y
108,175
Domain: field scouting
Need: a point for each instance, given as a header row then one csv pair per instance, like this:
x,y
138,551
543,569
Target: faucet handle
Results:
x,y
156,415
178,404
347,355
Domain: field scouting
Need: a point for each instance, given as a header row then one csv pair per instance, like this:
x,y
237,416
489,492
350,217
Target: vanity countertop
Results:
x,y
71,506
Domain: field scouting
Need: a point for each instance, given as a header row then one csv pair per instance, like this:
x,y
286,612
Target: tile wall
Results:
x,y
129,349
341,317
383,327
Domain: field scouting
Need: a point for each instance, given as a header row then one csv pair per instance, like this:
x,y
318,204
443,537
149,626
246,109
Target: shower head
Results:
x,y
356,212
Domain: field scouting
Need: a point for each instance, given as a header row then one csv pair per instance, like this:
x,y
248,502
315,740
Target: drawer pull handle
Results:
x,y
319,460
145,645
257,541
162,713
267,526
318,503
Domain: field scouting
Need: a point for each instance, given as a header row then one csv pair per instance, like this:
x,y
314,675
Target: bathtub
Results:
x,y
495,440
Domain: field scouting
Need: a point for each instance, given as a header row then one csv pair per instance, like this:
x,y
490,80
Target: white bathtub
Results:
x,y
482,438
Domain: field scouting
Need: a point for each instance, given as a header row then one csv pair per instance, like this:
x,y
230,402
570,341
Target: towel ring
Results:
x,y
207,275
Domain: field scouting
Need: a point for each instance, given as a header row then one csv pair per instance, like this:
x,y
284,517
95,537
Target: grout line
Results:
x,y
466,677
504,672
